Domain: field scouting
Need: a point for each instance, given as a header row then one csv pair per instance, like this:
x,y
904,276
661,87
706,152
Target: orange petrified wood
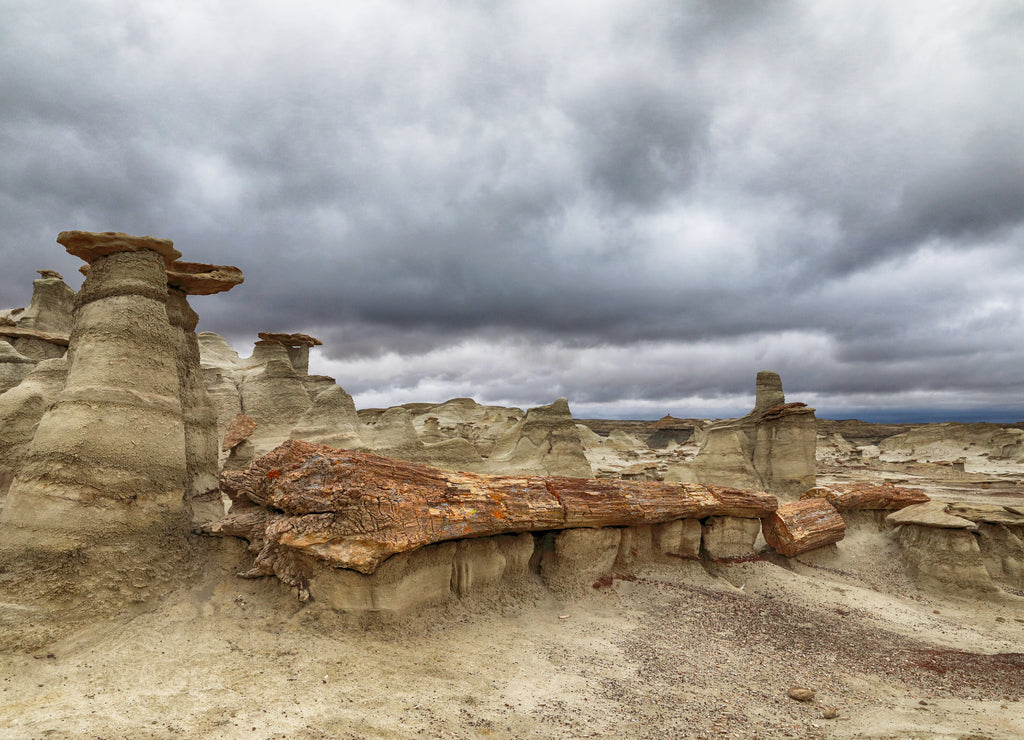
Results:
x,y
867,496
801,526
354,510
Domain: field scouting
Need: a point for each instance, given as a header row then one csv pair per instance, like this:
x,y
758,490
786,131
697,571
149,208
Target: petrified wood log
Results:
x,y
867,496
354,510
800,526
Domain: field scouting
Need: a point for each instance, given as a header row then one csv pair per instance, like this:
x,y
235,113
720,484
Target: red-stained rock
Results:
x,y
195,278
91,245
239,430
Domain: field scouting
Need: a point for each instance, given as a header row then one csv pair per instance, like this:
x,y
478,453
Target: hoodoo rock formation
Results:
x,y
297,346
268,387
771,448
545,442
968,549
273,387
198,414
108,466
121,375
39,332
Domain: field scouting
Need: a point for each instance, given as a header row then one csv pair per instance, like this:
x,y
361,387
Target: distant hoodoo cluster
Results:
x,y
123,433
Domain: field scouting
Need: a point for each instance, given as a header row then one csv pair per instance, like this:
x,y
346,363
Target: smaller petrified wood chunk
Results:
x,y
801,526
239,429
867,496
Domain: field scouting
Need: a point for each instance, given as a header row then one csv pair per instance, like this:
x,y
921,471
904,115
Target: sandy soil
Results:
x,y
680,650
683,650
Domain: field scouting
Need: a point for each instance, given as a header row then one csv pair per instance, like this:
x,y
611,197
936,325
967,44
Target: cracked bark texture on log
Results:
x,y
867,496
801,526
354,510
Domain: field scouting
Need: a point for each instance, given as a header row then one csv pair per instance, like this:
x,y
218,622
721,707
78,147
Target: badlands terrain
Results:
x,y
685,649
125,437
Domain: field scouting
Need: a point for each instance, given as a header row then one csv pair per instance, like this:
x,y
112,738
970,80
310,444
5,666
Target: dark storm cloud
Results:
x,y
631,204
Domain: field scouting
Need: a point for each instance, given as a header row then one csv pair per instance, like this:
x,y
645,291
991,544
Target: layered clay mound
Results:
x,y
463,435
772,448
51,305
463,418
544,442
274,395
951,441
14,366
39,332
287,403
21,408
622,441
331,420
834,449
963,549
393,434
265,386
91,507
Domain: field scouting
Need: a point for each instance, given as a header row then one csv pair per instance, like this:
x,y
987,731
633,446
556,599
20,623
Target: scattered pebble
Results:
x,y
829,713
800,693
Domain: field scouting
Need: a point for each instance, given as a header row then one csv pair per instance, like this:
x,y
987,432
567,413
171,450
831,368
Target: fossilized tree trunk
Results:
x,y
802,526
866,496
354,510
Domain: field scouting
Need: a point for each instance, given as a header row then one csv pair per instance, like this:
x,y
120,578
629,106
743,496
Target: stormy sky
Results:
x,y
635,204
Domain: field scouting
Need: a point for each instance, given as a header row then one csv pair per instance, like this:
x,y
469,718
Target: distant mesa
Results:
x,y
670,422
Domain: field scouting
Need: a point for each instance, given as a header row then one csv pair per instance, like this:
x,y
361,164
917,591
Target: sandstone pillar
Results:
x,y
202,488
110,453
51,306
297,346
769,391
97,515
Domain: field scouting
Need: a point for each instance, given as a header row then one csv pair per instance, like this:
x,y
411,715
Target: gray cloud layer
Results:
x,y
634,204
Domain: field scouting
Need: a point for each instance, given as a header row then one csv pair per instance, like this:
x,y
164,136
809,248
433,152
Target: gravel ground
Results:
x,y
672,651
